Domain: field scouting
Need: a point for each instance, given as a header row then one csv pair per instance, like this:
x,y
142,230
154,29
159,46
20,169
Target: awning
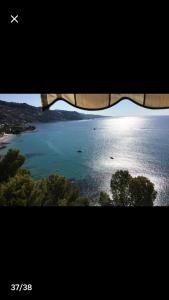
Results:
x,y
101,101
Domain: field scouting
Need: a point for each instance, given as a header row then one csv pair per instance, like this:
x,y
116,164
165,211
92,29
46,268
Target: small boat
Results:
x,y
111,157
79,151
94,128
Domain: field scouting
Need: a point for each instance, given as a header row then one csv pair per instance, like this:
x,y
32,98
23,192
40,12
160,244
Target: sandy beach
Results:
x,y
6,138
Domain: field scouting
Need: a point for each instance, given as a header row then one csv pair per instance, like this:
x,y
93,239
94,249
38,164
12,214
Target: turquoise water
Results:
x,y
139,144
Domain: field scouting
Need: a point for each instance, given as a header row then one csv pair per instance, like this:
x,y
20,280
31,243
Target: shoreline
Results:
x,y
5,139
30,130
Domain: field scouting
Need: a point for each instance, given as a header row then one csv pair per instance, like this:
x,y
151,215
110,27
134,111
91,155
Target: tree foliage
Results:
x,y
132,191
104,199
17,190
120,187
80,201
142,192
17,187
10,164
58,188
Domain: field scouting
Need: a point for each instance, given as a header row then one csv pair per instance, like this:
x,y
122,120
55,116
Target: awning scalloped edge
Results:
x,y
102,101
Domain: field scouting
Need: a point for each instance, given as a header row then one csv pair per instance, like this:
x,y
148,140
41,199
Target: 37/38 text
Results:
x,y
21,287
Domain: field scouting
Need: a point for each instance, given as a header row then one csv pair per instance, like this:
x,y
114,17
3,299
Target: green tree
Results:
x,y
58,187
10,164
132,191
120,188
80,201
63,202
16,191
17,186
104,199
142,192
39,193
23,172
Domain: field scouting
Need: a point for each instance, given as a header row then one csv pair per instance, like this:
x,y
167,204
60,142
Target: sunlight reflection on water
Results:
x,y
139,144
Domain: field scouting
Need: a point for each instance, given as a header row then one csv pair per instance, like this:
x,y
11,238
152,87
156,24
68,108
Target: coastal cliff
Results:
x,y
22,113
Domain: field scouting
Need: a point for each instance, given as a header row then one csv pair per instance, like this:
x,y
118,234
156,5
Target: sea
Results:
x,y
88,152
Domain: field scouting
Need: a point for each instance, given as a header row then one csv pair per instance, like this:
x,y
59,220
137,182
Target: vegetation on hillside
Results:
x,y
18,114
18,188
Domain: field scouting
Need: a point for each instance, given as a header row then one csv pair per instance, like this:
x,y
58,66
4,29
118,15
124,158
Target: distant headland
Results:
x,y
22,113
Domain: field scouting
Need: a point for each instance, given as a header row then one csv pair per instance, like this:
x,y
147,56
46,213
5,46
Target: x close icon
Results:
x,y
14,19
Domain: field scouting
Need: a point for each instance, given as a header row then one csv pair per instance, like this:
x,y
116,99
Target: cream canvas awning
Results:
x,y
101,101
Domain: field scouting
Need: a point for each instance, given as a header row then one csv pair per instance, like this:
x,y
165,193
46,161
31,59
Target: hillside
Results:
x,y
21,113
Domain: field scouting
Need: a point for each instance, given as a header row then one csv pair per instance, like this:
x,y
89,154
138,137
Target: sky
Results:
x,y
123,108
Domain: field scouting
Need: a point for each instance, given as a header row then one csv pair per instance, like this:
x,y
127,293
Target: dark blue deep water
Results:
x,y
139,144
